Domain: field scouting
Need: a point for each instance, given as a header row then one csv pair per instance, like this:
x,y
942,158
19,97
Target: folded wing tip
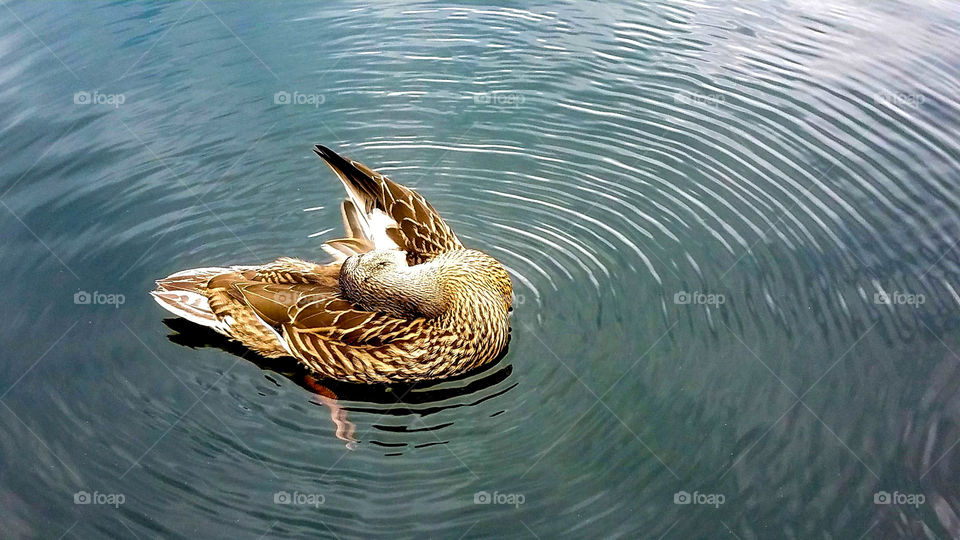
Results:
x,y
323,151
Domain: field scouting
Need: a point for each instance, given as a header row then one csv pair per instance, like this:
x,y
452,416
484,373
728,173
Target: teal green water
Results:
x,y
731,226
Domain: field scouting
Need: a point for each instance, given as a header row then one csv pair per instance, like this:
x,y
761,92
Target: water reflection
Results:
x,y
420,399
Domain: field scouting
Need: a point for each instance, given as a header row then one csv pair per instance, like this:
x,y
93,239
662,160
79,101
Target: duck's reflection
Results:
x,y
400,398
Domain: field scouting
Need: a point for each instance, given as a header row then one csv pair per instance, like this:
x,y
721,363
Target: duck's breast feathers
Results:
x,y
387,214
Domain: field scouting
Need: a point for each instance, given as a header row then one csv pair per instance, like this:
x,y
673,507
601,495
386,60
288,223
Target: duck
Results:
x,y
402,299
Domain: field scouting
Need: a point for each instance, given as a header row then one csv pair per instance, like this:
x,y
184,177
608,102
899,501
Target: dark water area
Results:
x,y
732,229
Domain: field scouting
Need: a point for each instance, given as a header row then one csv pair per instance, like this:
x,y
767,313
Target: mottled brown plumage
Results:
x,y
403,299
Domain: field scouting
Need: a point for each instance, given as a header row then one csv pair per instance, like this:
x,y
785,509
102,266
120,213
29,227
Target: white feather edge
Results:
x,y
192,306
379,222
283,342
338,256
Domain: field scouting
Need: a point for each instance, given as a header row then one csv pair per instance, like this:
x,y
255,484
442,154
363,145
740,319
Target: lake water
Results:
x,y
732,228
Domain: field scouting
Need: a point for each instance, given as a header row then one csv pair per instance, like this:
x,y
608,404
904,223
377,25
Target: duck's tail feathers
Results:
x,y
181,295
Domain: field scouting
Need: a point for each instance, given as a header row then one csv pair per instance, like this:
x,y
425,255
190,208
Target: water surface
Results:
x,y
732,231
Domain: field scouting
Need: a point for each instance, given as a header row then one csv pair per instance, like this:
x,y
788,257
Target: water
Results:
x,y
732,229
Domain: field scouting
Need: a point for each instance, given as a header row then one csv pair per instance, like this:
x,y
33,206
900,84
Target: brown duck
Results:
x,y
402,300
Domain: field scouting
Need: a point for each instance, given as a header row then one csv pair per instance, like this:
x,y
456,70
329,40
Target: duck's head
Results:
x,y
369,265
381,280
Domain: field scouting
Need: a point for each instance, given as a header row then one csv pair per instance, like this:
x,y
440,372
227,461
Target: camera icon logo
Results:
x,y
682,297
881,497
81,497
82,297
81,98
282,497
481,497
881,298
281,98
681,497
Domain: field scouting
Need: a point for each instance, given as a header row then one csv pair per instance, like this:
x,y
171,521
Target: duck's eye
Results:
x,y
381,264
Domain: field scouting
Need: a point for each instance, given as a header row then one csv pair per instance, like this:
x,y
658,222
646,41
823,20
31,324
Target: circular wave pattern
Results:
x,y
774,169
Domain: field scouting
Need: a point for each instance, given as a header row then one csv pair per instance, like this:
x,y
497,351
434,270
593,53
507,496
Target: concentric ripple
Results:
x,y
706,208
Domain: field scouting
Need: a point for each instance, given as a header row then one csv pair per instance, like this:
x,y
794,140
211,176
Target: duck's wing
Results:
x,y
334,338
382,214
223,307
